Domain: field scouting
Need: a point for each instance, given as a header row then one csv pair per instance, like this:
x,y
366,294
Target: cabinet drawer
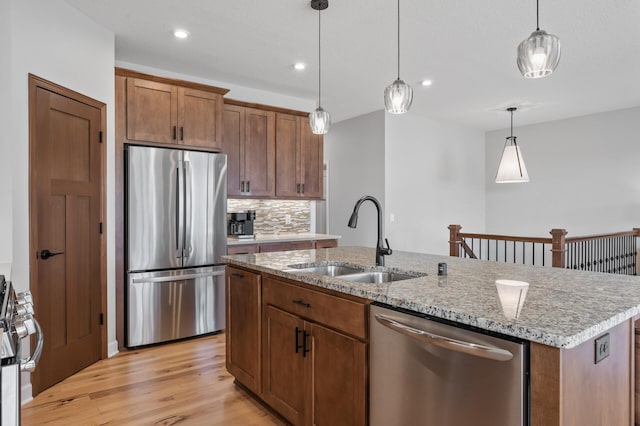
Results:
x,y
243,249
341,314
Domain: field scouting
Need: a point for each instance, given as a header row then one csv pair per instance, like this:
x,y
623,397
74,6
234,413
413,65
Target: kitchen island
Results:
x,y
563,315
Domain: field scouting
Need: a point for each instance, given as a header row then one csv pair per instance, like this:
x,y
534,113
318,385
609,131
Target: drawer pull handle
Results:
x,y
301,303
298,345
236,275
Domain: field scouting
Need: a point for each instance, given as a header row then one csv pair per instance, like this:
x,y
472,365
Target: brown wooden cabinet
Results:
x,y
165,113
281,246
249,142
314,372
299,158
243,336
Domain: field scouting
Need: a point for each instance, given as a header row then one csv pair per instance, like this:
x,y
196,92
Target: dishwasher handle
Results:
x,y
483,351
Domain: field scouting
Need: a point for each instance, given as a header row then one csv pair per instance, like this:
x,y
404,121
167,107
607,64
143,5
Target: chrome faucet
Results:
x,y
353,222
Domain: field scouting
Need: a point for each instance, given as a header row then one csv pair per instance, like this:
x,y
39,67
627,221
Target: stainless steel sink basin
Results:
x,y
328,270
377,277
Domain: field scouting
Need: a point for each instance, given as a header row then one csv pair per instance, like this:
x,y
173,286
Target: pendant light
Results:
x,y
319,120
539,55
398,95
511,168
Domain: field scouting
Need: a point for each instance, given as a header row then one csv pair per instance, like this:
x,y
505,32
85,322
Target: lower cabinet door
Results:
x,y
335,372
243,327
283,363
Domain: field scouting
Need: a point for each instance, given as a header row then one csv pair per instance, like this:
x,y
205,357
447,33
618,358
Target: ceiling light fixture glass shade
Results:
x,y
319,120
512,168
538,55
398,95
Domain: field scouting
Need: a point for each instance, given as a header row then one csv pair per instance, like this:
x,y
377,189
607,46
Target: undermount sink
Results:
x,y
377,277
354,273
328,270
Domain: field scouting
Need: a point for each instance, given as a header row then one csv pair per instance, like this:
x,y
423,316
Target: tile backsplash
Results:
x,y
271,215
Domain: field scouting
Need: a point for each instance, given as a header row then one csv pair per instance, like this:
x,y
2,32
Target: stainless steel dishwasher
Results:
x,y
427,372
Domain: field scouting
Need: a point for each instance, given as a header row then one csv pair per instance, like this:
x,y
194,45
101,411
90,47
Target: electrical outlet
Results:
x,y
287,219
602,348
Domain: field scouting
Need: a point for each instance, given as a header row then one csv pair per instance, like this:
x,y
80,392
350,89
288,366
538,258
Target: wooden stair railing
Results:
x,y
612,253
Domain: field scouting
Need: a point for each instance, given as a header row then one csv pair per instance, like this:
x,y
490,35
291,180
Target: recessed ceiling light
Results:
x,y
181,33
299,66
426,83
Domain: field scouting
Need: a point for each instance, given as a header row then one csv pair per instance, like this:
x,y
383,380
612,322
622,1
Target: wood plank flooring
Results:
x,y
183,383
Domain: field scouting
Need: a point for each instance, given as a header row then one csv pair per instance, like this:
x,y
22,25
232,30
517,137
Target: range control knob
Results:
x,y
25,309
24,298
21,329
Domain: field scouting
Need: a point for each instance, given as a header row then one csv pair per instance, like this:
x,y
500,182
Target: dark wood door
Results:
x,y
66,207
243,327
233,145
199,118
283,381
311,161
287,156
259,152
152,111
335,373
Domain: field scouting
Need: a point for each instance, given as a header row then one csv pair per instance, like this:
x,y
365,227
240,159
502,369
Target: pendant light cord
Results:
x,y
537,16
319,63
512,123
399,39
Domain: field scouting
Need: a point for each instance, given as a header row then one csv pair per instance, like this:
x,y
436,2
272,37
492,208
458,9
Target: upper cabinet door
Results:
x,y
233,146
199,118
151,111
311,161
288,182
259,153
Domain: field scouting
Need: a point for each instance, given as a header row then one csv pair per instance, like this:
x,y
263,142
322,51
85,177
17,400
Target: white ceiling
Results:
x,y
467,47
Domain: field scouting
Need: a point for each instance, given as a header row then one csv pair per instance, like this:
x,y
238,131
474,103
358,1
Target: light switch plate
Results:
x,y
602,348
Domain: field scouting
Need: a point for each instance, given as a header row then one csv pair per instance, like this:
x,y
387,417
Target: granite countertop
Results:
x,y
563,308
280,238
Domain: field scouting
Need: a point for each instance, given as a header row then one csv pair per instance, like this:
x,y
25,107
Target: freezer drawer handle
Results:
x,y
175,277
301,303
489,352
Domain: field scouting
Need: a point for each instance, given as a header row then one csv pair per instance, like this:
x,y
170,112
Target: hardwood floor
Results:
x,y
178,383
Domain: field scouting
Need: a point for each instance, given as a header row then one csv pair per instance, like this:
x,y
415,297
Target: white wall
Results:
x,y
354,149
5,137
434,178
584,176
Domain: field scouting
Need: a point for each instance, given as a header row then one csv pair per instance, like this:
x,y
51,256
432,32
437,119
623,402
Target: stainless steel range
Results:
x,y
16,323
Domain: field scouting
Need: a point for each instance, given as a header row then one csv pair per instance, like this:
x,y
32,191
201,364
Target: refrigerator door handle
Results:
x,y
188,206
179,228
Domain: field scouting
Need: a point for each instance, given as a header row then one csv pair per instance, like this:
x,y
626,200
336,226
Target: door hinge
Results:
x,y
101,227
101,318
100,136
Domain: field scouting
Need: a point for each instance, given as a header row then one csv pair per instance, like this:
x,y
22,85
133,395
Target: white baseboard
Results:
x,y
113,348
26,392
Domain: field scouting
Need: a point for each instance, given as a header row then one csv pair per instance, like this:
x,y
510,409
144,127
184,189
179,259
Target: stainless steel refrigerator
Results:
x,y
176,203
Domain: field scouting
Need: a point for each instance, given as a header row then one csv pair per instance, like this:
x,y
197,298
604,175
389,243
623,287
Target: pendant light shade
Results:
x,y
319,120
538,55
398,95
512,168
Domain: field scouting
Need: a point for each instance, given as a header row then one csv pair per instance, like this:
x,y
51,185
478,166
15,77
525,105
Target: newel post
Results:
x,y
454,240
558,248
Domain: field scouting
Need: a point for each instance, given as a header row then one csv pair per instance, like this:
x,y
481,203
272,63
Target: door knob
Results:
x,y
45,254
